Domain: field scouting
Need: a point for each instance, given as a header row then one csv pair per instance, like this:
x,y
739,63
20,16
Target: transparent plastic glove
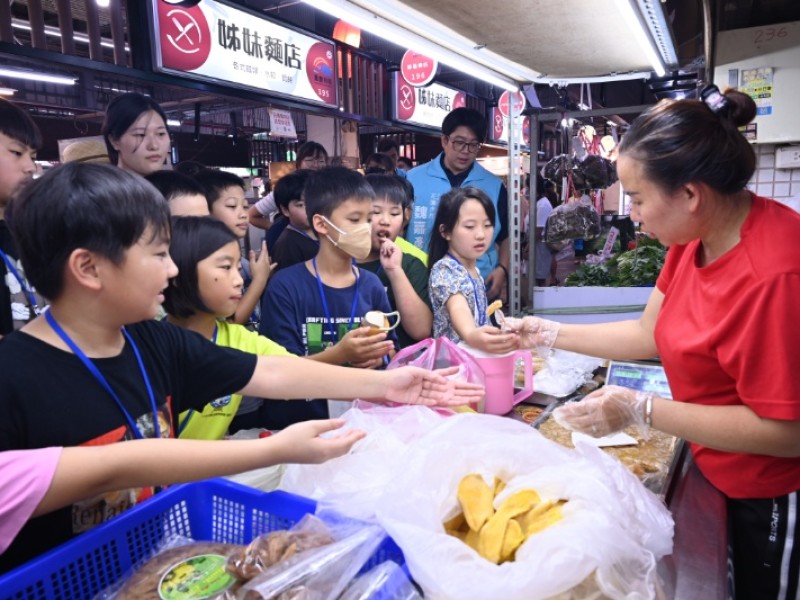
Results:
x,y
533,332
605,411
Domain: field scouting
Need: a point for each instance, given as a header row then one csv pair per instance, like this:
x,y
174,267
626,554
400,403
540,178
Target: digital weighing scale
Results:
x,y
644,377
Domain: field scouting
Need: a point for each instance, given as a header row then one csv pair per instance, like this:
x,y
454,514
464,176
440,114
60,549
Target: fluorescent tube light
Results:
x,y
79,37
4,91
34,76
396,34
639,30
173,123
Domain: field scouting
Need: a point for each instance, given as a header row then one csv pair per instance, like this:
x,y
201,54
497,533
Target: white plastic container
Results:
x,y
590,304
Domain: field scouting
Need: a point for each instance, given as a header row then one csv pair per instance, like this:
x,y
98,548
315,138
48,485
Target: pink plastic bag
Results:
x,y
439,353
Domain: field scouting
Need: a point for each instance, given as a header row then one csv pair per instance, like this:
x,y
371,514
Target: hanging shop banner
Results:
x,y
426,106
281,123
210,40
499,130
417,69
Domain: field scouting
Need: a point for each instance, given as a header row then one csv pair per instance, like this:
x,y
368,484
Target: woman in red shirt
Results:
x,y
722,317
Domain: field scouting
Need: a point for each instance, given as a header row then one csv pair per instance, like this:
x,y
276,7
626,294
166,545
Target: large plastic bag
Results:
x,y
564,372
355,482
612,533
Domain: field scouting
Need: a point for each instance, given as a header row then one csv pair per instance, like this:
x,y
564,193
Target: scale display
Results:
x,y
638,376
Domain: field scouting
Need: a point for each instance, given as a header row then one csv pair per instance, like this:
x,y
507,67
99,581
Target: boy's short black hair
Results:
x,y
465,117
290,187
82,205
214,182
327,188
394,188
121,113
382,159
172,184
193,239
18,125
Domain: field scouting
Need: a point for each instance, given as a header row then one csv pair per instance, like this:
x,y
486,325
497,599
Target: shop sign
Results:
x,y
426,106
417,69
209,40
499,130
511,101
281,123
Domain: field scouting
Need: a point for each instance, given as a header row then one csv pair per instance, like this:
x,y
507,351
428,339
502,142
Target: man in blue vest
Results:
x,y
463,132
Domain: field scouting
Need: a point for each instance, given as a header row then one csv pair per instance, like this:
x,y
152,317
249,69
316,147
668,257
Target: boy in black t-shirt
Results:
x,y
298,242
20,139
96,368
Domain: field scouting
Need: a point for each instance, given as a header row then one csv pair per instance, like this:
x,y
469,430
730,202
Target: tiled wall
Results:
x,y
781,184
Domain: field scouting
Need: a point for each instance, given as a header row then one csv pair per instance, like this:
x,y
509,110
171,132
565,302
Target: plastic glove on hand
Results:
x,y
533,332
605,411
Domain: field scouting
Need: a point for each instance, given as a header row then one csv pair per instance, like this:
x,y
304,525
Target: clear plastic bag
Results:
x,y
613,529
320,573
387,581
571,222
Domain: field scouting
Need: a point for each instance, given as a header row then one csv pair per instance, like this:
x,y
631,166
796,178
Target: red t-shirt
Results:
x,y
729,334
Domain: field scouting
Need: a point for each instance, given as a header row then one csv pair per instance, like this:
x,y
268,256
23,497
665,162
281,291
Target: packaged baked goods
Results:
x,y
180,567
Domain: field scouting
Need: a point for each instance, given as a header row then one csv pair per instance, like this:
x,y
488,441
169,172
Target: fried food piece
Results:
x,y
512,540
493,533
541,517
457,523
499,486
493,307
475,498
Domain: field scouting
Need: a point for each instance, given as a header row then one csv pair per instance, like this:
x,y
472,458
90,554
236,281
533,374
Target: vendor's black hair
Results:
x,y
680,141
82,205
18,125
328,188
193,239
121,113
447,217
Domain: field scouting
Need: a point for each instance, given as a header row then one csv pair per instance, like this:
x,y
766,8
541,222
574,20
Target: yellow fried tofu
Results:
x,y
493,533
499,486
457,523
543,520
475,498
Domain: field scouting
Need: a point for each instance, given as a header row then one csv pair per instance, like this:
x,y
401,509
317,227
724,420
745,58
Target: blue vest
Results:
x,y
430,183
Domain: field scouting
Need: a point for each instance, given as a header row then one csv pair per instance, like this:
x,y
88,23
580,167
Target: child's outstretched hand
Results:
x,y
301,442
391,255
493,340
413,385
260,265
361,348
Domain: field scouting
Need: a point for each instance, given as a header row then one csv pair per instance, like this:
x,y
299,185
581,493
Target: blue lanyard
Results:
x,y
301,232
182,425
328,317
23,284
481,310
100,378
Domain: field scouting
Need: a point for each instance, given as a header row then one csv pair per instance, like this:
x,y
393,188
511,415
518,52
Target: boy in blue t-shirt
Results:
x,y
315,308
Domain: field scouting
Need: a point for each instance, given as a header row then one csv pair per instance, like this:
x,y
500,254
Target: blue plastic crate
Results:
x,y
214,510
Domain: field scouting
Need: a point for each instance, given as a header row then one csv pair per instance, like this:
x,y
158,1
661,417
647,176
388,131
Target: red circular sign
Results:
x,y
417,69
185,36
460,100
497,125
406,101
319,70
506,98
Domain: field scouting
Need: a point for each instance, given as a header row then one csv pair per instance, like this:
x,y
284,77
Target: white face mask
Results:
x,y
356,241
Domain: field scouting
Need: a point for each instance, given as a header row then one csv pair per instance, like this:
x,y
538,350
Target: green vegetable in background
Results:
x,y
637,267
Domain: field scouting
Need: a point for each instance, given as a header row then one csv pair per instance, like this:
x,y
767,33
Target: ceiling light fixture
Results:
x,y
103,3
639,30
4,91
35,76
369,21
173,123
79,37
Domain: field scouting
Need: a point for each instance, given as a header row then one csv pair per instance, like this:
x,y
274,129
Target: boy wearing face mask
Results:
x,y
314,308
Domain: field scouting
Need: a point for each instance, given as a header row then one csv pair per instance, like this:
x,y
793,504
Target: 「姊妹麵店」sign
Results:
x,y
211,40
427,106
